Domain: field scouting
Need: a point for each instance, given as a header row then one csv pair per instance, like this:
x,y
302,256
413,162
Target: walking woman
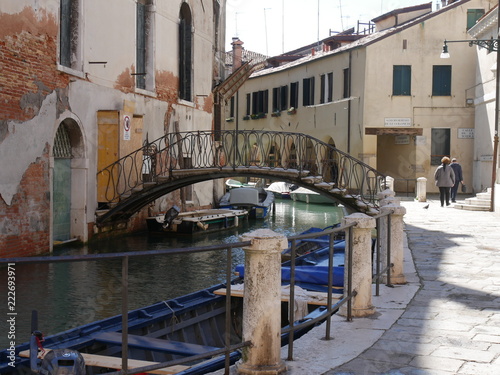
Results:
x,y
445,179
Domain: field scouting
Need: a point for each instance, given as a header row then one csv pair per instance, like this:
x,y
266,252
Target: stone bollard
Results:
x,y
262,304
389,200
397,233
422,189
389,183
386,194
361,264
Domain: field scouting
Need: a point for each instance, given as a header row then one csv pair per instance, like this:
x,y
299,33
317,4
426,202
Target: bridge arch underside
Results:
x,y
181,178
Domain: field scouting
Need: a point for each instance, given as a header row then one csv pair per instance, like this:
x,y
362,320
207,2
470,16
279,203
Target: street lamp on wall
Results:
x,y
492,46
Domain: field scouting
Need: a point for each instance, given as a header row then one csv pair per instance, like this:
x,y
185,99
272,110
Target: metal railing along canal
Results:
x,y
229,248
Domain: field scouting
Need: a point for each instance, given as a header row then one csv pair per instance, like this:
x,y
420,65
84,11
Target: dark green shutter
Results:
x,y
401,80
140,79
472,16
441,80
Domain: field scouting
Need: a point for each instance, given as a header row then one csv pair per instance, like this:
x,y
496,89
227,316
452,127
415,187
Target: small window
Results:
x,y
347,90
69,34
441,80
260,102
308,91
280,98
326,88
185,53
294,94
140,74
472,16
249,103
284,98
440,144
401,80
231,107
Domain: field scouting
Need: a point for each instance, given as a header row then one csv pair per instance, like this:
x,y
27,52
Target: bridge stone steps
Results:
x,y
318,182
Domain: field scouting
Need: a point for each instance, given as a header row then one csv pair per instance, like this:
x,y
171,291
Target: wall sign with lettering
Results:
x,y
464,133
397,121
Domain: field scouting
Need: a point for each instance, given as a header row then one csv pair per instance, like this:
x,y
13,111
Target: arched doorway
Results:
x,y
69,184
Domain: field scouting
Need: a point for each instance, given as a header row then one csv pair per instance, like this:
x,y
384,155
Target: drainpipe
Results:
x,y
495,137
349,106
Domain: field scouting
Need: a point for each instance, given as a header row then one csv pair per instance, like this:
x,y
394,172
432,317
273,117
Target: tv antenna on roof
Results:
x,y
265,28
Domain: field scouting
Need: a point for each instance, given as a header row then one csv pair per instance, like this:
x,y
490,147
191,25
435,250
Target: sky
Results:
x,y
272,27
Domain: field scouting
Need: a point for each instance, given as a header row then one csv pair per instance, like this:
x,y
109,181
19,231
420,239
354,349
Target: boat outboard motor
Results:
x,y
62,362
170,215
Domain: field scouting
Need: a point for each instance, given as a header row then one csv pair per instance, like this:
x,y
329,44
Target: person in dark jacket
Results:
x,y
445,179
457,168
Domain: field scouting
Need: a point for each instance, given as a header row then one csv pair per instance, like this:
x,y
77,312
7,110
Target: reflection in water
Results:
x,y
67,295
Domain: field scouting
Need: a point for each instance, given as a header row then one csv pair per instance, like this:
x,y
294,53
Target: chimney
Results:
x,y
237,52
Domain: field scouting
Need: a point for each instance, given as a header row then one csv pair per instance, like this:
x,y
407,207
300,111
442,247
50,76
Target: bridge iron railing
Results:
x,y
257,151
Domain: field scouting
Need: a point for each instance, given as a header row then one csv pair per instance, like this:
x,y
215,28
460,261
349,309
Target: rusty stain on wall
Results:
x,y
167,88
208,104
27,20
125,81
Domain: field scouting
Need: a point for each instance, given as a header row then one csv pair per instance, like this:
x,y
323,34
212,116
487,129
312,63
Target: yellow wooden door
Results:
x,y
107,153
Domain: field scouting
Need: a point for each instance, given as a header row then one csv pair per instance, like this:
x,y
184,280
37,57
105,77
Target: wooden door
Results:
x,y
107,153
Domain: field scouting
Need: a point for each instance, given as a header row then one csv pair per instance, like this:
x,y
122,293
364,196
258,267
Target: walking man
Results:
x,y
457,168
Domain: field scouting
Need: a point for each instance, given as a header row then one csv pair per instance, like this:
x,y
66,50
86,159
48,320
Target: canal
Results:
x,y
71,294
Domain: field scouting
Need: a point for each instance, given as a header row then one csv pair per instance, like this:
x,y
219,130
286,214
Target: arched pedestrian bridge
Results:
x,y
180,159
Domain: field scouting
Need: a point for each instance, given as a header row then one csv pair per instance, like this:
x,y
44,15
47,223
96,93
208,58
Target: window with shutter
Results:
x,y
185,53
441,80
401,80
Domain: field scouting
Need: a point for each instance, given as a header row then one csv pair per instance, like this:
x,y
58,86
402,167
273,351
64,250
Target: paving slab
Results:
x,y
445,320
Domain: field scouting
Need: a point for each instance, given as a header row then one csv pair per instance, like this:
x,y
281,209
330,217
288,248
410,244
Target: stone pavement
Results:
x,y
445,320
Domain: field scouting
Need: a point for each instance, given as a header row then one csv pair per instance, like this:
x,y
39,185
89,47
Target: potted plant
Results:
x,y
276,114
230,119
246,117
291,111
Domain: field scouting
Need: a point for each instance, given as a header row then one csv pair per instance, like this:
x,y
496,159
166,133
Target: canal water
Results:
x,y
67,295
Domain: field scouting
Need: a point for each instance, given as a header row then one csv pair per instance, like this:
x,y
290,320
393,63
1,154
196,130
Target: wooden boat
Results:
x,y
305,195
186,326
256,200
311,268
196,222
281,190
235,184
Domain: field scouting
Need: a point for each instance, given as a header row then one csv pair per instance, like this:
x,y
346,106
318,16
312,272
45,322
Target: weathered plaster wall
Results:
x,y
38,95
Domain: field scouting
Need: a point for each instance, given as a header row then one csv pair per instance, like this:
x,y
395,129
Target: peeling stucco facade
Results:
x,y
39,94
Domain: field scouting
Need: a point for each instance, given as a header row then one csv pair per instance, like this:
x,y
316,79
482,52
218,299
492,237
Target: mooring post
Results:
x,y
262,304
422,189
361,264
396,238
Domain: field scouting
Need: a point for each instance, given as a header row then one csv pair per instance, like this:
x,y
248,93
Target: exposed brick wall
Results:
x,y
28,65
24,225
28,57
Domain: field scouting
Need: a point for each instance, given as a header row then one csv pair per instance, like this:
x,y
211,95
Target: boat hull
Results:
x,y
258,202
165,331
198,222
309,196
